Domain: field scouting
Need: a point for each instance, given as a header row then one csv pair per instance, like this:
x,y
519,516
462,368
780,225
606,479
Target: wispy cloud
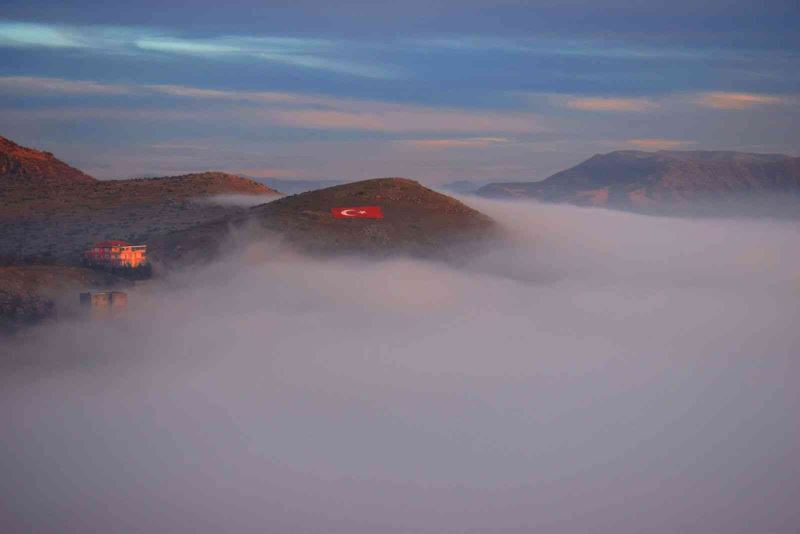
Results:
x,y
186,46
469,142
658,144
319,54
660,103
723,100
28,84
472,43
607,104
32,85
115,113
389,118
309,53
24,34
563,47
294,110
182,91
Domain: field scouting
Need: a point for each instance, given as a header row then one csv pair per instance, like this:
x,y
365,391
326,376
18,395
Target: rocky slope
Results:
x,y
690,181
417,221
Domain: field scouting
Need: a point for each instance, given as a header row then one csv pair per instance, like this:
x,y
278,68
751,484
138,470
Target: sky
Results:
x,y
436,90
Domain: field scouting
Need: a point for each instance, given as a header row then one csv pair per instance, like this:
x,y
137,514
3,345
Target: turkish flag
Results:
x,y
358,212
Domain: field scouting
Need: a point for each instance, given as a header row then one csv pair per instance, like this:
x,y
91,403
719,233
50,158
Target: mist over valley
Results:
x,y
450,267
593,364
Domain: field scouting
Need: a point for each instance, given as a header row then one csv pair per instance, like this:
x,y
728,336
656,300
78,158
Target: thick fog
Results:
x,y
601,372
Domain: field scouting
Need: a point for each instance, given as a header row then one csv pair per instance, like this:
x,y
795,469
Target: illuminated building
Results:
x,y
117,254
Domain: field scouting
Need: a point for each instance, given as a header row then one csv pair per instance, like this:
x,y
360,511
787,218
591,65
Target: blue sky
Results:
x,y
436,90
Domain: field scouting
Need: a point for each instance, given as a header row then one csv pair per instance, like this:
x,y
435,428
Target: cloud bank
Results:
x,y
610,104
601,371
723,100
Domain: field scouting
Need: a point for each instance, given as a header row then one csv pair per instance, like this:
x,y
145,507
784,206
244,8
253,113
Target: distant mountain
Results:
x,y
666,181
417,221
22,166
292,187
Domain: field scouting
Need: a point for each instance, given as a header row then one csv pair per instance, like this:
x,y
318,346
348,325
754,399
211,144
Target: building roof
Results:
x,y
111,243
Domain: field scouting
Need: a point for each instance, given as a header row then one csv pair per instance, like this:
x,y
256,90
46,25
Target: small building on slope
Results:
x,y
116,254
104,303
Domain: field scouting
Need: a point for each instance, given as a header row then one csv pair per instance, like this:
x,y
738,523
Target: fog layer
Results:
x,y
602,372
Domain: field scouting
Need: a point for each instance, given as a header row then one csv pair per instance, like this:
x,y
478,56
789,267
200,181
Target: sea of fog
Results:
x,y
600,372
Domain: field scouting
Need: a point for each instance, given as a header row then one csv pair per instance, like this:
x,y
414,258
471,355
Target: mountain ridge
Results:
x,y
663,180
35,183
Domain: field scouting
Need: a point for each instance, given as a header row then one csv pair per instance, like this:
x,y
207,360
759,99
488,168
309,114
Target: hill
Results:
x,y
48,208
22,166
35,200
417,221
667,181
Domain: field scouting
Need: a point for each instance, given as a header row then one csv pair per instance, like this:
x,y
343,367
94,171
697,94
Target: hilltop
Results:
x,y
23,166
35,183
665,181
417,221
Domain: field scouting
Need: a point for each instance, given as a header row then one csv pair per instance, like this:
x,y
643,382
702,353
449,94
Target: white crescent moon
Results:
x,y
346,214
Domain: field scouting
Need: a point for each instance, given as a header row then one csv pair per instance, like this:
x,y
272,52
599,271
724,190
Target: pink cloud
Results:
x,y
610,104
378,117
329,119
150,115
29,84
306,111
59,85
472,142
723,100
250,96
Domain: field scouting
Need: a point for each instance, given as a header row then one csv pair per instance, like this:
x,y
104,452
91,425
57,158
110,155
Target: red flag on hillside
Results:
x,y
358,212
